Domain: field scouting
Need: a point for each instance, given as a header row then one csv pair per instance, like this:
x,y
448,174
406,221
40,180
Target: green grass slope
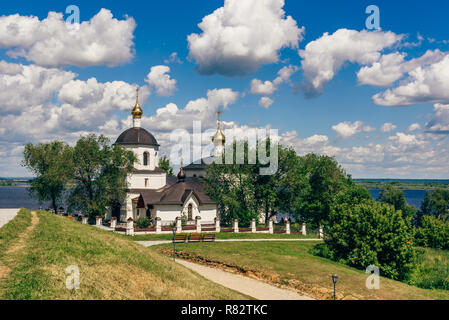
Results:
x,y
111,266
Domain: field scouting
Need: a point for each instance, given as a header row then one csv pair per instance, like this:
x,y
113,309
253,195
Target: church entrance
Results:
x,y
190,212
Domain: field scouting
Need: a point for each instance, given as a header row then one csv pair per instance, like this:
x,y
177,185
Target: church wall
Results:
x,y
208,212
168,213
153,159
155,180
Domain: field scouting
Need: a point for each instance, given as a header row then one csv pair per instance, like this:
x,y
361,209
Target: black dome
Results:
x,y
137,136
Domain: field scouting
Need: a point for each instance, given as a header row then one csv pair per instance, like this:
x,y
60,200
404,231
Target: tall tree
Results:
x,y
391,195
164,163
326,179
436,203
99,175
51,164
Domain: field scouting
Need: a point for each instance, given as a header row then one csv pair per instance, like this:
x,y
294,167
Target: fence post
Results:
x,y
84,219
320,231
98,222
198,224
303,229
113,222
270,226
287,227
253,225
236,225
158,225
178,225
130,227
217,224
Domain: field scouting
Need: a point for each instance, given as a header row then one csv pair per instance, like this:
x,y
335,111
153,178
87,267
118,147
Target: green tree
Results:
x,y
325,179
370,233
99,175
164,163
433,233
51,164
436,204
391,195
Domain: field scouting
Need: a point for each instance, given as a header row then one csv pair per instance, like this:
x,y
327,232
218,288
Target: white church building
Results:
x,y
151,193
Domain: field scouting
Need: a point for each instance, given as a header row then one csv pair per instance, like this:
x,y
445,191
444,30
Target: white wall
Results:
x,y
155,180
197,173
153,159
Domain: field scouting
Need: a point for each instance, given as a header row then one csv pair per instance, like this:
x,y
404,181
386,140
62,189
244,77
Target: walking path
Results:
x,y
251,287
7,215
155,243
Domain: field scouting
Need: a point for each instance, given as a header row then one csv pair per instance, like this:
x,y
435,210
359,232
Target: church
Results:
x,y
151,193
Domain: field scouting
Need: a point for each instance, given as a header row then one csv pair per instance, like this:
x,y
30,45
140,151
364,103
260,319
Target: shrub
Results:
x,y
433,233
370,233
143,223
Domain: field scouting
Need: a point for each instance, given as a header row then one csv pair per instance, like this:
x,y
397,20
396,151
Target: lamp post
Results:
x,y
334,280
174,243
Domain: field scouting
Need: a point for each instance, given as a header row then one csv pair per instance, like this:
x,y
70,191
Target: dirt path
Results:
x,y
19,244
158,242
251,287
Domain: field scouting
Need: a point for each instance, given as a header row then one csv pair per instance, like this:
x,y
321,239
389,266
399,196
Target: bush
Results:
x,y
370,233
143,223
433,233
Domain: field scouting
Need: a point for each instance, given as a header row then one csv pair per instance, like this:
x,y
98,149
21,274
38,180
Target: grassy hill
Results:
x,y
292,265
36,249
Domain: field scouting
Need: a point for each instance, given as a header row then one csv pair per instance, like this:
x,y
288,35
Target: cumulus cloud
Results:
x,y
323,58
387,127
174,58
265,102
414,127
241,36
159,79
267,88
347,129
425,84
50,42
392,67
440,120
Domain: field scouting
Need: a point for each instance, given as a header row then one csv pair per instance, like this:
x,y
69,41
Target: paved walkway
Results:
x,y
251,287
155,243
6,215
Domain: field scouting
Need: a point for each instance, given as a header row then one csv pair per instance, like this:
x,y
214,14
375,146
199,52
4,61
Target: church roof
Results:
x,y
175,192
137,135
199,166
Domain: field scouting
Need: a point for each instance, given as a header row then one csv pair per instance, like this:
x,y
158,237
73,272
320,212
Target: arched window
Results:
x,y
145,158
190,212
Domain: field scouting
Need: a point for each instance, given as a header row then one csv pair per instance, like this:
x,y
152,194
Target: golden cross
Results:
x,y
219,112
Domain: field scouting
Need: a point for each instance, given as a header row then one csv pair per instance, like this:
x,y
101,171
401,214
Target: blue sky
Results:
x,y
340,119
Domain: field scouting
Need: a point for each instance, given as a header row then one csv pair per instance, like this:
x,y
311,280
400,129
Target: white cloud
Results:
x,y
174,58
440,120
414,127
267,88
265,102
241,36
323,58
391,67
425,84
161,81
347,129
49,42
387,127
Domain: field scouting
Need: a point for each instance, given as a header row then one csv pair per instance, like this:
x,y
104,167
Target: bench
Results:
x,y
195,238
180,238
209,237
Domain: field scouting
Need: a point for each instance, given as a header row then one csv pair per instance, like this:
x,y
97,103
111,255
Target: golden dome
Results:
x,y
219,137
137,110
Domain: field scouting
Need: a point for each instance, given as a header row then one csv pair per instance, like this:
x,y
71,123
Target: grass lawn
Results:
x,y
35,251
290,264
433,269
230,235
